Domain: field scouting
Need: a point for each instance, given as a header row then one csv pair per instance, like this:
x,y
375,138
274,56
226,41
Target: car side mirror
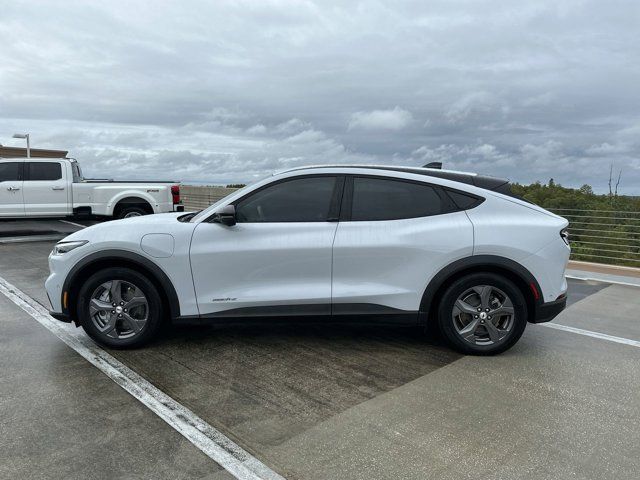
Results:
x,y
226,216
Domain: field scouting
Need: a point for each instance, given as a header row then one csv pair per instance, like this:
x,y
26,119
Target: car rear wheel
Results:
x,y
482,314
120,308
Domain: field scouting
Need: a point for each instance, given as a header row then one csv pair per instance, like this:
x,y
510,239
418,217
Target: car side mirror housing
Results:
x,y
226,216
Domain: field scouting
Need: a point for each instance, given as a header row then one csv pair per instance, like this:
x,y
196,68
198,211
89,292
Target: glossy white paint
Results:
x,y
216,268
103,197
158,245
526,234
54,198
390,262
127,235
259,264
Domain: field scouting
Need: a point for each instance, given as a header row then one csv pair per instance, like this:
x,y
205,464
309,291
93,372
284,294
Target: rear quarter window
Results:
x,y
463,201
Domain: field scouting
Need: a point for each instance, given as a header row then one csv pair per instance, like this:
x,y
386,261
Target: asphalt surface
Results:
x,y
317,403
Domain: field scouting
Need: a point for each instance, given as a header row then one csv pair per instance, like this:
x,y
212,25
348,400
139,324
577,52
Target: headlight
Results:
x,y
64,247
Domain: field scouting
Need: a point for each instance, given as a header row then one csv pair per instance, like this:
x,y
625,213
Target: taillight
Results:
x,y
564,233
175,193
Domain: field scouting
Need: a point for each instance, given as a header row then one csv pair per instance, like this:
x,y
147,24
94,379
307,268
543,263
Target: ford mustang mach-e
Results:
x,y
418,246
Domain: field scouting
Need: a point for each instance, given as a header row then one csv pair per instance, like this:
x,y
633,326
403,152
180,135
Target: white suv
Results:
x,y
370,243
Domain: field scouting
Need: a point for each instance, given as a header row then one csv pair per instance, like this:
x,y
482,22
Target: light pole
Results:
x,y
24,135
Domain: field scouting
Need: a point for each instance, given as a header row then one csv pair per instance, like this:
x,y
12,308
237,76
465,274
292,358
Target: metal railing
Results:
x,y
603,236
200,197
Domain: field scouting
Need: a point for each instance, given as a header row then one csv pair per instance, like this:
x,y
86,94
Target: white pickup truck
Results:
x,y
54,187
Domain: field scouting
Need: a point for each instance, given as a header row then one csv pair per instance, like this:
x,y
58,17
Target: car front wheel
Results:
x,y
482,314
120,308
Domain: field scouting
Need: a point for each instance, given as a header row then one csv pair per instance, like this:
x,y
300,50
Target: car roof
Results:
x,y
495,184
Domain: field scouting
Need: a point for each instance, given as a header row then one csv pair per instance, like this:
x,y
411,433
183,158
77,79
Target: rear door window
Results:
x,y
43,171
390,199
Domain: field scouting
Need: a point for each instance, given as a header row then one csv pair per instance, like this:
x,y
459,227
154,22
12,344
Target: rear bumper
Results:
x,y
550,310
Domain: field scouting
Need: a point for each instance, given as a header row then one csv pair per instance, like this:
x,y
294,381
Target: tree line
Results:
x,y
604,228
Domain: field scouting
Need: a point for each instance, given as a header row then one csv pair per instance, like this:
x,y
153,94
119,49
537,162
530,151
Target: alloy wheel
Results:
x,y
483,315
119,309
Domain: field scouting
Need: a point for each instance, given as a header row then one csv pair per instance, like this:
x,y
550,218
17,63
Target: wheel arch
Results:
x,y
118,258
506,267
143,203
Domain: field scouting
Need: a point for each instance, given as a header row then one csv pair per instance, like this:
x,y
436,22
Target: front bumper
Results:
x,y
53,286
550,310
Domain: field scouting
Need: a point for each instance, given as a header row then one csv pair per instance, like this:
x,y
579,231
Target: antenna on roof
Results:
x,y
436,165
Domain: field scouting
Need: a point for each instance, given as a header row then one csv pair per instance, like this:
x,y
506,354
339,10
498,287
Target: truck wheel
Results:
x,y
129,212
120,308
482,314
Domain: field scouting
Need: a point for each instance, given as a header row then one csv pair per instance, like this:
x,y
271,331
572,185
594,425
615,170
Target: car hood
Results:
x,y
130,228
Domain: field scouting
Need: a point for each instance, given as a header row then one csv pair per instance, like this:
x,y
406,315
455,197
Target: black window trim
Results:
x,y
478,199
335,206
449,205
20,171
27,173
347,199
75,172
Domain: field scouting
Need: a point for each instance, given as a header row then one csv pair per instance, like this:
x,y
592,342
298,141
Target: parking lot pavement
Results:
x,y
579,290
354,403
42,229
26,266
608,311
557,405
62,418
263,385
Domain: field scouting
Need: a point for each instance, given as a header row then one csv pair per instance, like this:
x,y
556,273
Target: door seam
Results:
x,y
335,234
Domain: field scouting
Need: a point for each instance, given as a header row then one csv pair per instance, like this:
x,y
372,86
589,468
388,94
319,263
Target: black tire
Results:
x,y
154,314
464,284
131,211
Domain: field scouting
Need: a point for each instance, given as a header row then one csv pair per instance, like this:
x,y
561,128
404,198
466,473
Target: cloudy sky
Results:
x,y
225,91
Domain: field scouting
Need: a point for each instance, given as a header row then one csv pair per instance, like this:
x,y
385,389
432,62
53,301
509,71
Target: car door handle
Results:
x,y
13,189
57,188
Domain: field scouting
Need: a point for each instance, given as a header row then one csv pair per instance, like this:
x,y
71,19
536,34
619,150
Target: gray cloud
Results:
x,y
232,90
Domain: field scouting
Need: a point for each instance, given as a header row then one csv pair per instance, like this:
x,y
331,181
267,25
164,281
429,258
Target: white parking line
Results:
x,y
213,443
589,333
30,239
73,223
602,280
